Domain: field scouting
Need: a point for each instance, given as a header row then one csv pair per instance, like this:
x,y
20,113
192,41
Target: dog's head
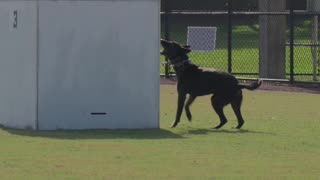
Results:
x,y
174,51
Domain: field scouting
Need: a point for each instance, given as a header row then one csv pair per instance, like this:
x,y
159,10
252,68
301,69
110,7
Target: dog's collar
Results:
x,y
182,65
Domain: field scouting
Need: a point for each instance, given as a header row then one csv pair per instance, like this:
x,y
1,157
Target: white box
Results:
x,y
79,64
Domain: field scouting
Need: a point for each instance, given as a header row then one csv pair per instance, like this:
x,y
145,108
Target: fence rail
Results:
x,y
189,12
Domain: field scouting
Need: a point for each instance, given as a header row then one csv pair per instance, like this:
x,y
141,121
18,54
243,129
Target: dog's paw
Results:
x,y
174,125
189,117
220,125
239,125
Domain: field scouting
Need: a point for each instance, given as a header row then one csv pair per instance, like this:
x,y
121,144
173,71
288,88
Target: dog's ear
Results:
x,y
186,50
164,42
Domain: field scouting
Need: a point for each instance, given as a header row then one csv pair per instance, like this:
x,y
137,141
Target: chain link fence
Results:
x,y
251,38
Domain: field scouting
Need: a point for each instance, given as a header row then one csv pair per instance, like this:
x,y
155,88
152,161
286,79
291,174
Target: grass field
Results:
x,y
280,140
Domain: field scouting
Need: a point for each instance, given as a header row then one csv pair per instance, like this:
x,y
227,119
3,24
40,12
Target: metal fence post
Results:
x,y
230,36
314,41
291,42
166,33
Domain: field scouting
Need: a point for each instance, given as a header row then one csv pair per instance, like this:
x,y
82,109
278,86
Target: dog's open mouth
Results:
x,y
164,43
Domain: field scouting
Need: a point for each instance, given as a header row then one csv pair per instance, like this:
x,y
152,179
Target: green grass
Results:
x,y
280,140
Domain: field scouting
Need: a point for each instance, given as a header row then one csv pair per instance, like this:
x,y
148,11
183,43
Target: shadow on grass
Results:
x,y
224,131
96,134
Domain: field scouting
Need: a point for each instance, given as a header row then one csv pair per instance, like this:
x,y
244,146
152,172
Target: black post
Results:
x,y
291,42
166,33
230,36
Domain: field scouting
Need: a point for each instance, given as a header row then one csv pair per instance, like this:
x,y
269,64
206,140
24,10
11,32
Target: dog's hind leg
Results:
x,y
181,99
187,106
218,104
236,106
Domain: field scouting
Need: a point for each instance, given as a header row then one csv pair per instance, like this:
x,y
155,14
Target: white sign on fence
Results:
x,y
202,39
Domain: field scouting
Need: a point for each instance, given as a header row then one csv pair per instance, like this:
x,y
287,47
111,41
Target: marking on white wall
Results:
x,y
14,19
99,113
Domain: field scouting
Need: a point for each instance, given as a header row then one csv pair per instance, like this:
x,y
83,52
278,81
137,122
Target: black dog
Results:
x,y
195,81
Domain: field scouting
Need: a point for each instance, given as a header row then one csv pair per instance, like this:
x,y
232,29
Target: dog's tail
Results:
x,y
252,86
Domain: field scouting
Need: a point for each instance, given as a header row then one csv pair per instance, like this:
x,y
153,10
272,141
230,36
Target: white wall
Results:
x,y
99,56
18,64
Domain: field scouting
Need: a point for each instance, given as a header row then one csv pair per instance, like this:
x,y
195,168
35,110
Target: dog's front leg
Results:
x,y
181,99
